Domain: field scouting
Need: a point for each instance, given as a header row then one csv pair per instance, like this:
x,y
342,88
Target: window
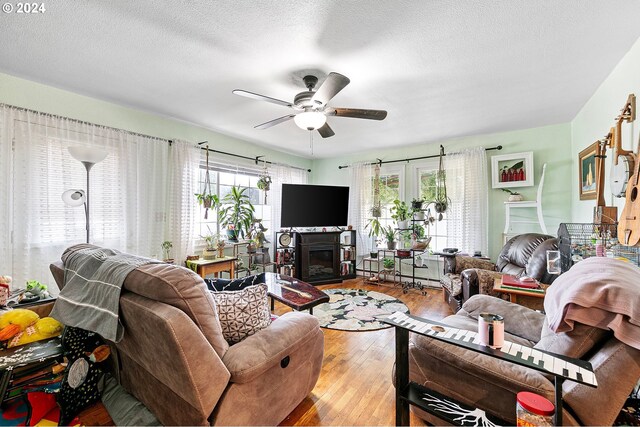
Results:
x,y
391,188
222,178
426,178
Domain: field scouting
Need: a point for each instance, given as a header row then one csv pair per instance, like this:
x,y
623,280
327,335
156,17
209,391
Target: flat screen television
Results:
x,y
314,205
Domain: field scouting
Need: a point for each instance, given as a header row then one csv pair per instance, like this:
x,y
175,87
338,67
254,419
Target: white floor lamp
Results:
x,y
88,157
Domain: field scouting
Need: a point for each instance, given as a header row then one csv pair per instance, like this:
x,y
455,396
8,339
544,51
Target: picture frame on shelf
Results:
x,y
512,170
587,173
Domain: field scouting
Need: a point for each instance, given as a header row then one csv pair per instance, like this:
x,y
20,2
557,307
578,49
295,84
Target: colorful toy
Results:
x,y
5,287
21,326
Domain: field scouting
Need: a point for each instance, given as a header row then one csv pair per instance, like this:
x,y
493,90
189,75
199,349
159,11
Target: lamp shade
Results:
x,y
74,197
88,155
310,120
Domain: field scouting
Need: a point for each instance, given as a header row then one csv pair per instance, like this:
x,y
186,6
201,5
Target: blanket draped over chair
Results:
x,y
90,298
599,292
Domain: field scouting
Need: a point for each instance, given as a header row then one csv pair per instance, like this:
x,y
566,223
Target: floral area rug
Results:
x,y
357,310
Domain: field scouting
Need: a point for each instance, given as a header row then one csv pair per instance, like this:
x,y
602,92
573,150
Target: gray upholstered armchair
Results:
x,y
524,254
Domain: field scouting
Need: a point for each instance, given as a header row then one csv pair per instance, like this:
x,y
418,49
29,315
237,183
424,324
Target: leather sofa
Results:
x,y
174,359
492,384
524,254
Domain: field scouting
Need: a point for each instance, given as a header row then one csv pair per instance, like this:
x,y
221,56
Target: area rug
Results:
x,y
357,310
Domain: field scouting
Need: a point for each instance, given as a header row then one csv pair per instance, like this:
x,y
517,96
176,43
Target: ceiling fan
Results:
x,y
311,109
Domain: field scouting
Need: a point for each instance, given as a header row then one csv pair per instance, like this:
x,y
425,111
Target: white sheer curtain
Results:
x,y
282,174
184,159
468,188
132,200
360,203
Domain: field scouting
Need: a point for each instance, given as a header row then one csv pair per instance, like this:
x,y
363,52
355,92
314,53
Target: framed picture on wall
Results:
x,y
512,170
588,173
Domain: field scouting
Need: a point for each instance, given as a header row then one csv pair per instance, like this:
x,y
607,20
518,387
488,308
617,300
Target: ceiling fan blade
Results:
x,y
262,98
275,121
326,131
333,84
358,113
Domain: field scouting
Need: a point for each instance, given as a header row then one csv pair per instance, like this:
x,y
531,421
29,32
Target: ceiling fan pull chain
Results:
x,y
311,142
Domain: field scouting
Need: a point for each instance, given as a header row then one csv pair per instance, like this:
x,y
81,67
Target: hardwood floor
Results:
x,y
355,385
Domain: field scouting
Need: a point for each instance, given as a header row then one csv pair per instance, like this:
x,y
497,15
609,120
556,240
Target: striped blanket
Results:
x,y
90,298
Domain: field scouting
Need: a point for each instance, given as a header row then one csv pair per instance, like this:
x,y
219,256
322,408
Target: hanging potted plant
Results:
x,y
236,213
207,199
441,201
264,184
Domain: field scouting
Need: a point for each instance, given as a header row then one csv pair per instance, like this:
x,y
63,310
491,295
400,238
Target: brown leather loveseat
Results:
x,y
174,359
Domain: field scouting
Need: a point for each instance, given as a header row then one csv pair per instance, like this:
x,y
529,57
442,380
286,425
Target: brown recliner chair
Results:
x,y
523,255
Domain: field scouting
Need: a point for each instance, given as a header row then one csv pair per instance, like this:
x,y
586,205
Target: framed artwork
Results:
x,y
512,170
588,173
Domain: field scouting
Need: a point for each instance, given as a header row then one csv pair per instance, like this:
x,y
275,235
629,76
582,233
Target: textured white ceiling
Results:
x,y
441,69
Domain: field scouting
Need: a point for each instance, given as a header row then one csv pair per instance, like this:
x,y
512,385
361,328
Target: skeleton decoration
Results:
x,y
474,418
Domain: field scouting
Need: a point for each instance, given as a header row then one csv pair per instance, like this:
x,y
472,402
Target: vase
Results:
x,y
516,198
403,224
232,235
208,254
418,216
391,245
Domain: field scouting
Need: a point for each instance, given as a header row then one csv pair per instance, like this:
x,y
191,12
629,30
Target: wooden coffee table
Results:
x,y
531,298
300,295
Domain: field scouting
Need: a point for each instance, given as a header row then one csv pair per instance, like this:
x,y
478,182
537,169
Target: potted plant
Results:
x,y
390,235
210,242
258,237
388,264
264,184
236,213
400,213
166,251
208,201
418,214
514,196
416,204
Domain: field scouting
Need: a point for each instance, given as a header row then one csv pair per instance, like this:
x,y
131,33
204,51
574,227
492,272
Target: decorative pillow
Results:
x,y
216,285
242,313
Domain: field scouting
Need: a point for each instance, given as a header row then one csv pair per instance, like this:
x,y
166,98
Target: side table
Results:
x,y
203,267
531,298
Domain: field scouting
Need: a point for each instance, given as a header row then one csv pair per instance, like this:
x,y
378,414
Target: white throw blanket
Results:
x,y
600,292
90,298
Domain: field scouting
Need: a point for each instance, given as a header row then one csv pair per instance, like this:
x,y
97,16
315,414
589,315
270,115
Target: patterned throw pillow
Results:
x,y
242,313
234,285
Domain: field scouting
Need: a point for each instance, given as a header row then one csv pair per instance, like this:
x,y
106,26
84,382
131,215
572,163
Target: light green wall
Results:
x,y
594,121
550,144
35,96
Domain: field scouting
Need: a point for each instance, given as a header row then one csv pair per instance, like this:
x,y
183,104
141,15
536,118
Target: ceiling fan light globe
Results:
x,y
310,120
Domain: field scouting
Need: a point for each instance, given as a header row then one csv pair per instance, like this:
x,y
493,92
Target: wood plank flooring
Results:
x,y
355,385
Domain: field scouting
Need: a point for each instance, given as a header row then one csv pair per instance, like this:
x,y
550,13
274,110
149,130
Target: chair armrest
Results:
x,y
476,281
518,320
256,354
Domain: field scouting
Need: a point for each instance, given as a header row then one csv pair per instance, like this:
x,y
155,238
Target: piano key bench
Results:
x,y
561,367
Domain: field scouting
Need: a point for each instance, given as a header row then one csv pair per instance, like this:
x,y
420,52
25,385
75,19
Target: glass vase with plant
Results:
x,y
236,213
166,251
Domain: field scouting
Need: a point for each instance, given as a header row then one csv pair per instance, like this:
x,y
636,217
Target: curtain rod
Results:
x,y
255,159
82,122
380,162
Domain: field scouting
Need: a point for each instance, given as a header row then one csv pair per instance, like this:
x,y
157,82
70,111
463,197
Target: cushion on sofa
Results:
x,y
216,285
575,343
242,313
